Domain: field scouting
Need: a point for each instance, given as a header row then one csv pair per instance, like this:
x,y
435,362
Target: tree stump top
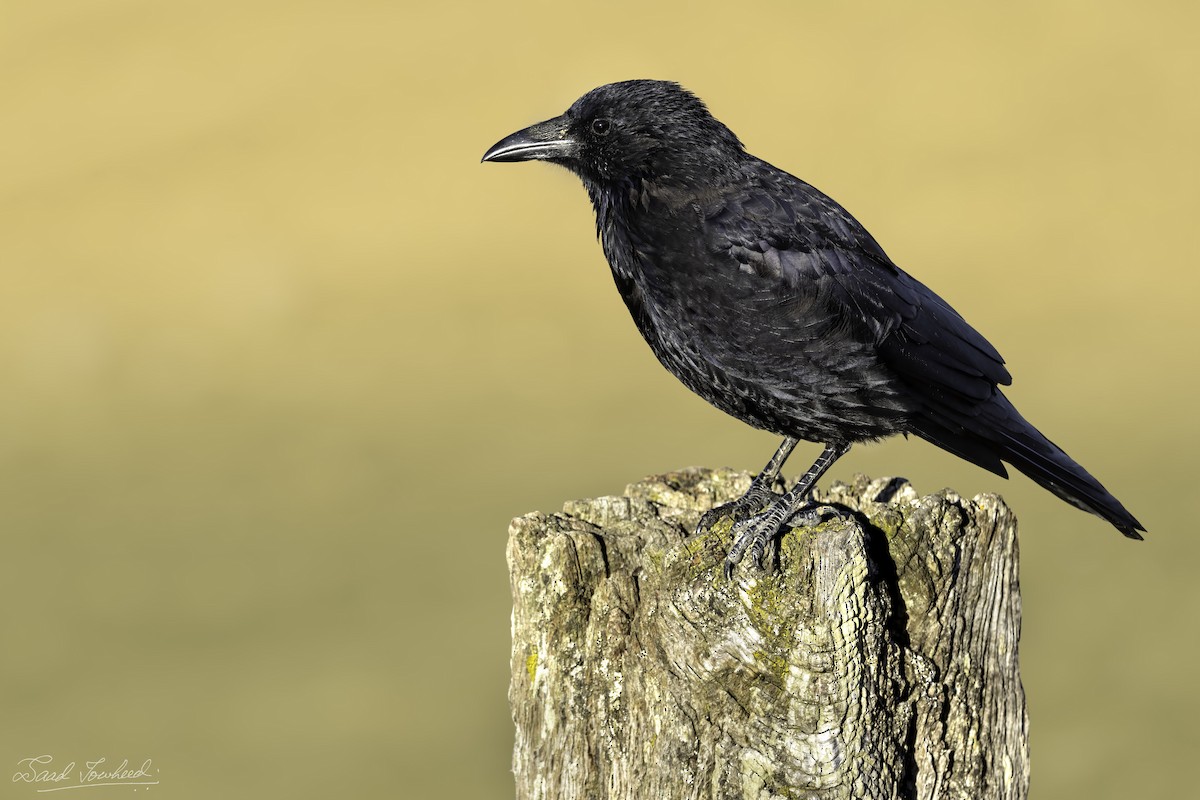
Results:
x,y
876,656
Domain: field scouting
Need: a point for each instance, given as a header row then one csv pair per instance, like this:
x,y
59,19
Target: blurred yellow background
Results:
x,y
280,358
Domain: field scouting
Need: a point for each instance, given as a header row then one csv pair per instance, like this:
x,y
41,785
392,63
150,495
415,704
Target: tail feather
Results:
x,y
1046,463
998,432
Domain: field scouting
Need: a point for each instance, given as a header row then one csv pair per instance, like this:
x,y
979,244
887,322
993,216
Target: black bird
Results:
x,y
767,299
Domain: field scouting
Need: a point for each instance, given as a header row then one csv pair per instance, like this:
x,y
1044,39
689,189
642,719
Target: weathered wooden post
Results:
x,y
877,659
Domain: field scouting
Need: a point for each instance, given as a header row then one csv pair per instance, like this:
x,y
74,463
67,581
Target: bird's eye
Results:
x,y
601,126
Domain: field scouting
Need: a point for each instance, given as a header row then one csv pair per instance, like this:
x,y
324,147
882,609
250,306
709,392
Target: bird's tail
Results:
x,y
1000,432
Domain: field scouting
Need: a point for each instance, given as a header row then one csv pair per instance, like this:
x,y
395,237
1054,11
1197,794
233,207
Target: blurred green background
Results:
x,y
280,358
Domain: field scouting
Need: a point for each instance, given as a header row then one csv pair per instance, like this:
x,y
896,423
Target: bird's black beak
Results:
x,y
548,141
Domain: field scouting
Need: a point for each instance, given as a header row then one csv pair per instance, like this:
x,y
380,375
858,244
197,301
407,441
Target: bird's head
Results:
x,y
649,129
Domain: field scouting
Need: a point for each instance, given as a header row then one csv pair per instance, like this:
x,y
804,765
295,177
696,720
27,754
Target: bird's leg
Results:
x,y
758,496
754,533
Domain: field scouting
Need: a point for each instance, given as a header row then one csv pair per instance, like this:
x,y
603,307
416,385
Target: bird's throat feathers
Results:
x,y
625,207
613,207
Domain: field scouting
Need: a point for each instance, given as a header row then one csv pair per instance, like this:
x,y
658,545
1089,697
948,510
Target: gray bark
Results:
x,y
876,657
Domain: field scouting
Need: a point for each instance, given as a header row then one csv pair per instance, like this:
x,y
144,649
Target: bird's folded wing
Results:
x,y
827,264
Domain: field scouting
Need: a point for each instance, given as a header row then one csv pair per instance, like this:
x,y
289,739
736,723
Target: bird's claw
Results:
x,y
753,533
754,501
814,514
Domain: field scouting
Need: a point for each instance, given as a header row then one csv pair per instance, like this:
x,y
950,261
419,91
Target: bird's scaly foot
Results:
x,y
754,532
757,498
